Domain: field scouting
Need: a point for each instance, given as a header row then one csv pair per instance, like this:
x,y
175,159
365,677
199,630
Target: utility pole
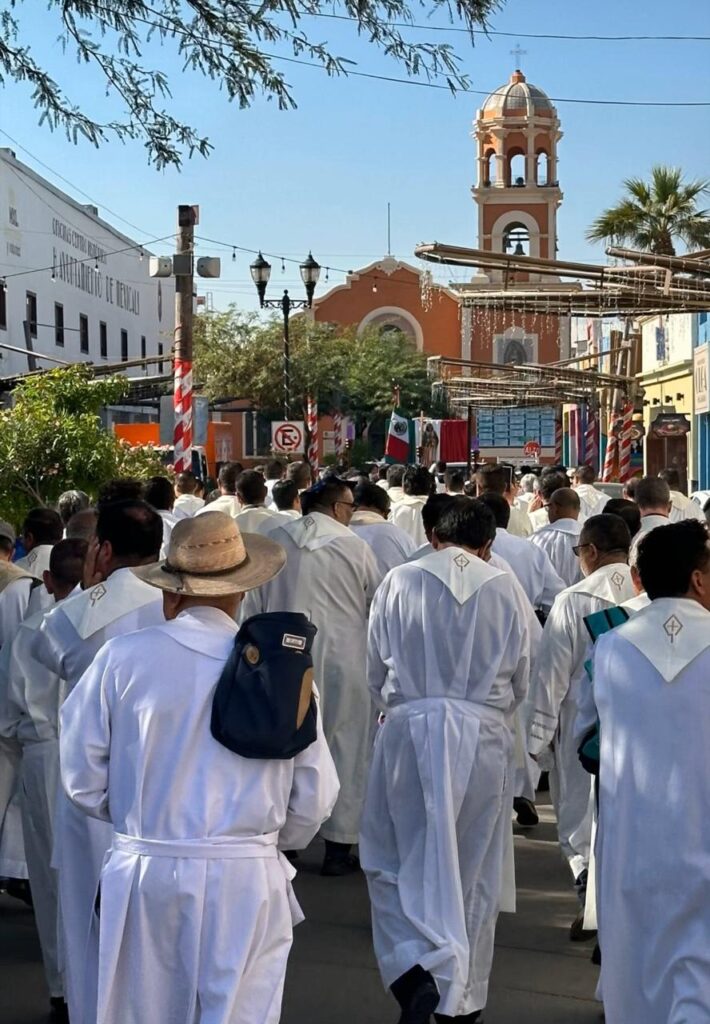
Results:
x,y
183,266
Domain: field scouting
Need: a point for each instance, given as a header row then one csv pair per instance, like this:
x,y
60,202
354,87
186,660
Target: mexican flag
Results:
x,y
400,437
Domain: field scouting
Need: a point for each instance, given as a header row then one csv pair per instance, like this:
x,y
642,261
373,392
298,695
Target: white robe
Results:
x,y
196,908
532,567
648,523
520,524
169,520
683,507
331,576
66,643
30,698
391,545
186,505
448,661
591,500
557,540
15,598
407,514
555,689
652,688
257,519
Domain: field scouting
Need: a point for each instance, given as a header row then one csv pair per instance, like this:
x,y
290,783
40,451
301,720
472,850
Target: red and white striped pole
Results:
x,y
312,423
625,442
611,447
182,402
558,440
591,442
338,433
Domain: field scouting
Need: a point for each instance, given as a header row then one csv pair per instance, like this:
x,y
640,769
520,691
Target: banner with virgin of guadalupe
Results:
x,y
427,434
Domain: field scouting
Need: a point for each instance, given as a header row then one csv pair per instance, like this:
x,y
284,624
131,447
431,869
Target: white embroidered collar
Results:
x,y
610,582
670,633
98,607
461,572
315,531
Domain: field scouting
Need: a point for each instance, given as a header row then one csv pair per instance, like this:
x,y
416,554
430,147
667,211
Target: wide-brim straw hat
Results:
x,y
208,556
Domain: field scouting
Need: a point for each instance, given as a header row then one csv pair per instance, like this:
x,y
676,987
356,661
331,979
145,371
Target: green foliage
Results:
x,y
52,440
230,42
654,215
237,356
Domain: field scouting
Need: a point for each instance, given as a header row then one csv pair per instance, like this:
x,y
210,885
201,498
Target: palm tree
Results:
x,y
654,216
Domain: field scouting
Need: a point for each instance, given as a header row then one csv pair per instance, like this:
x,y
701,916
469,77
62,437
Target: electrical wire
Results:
x,y
84,259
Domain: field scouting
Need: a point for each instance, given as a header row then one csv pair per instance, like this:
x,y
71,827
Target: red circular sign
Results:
x,y
288,437
532,448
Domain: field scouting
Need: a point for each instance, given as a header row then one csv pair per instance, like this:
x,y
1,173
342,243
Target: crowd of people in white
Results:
x,y
471,635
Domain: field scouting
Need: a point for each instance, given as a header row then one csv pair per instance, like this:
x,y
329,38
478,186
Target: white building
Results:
x,y
75,287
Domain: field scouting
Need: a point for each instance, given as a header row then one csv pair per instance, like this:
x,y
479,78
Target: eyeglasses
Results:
x,y
350,504
576,548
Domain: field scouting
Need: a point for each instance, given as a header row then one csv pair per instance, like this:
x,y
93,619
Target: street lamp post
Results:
x,y
261,272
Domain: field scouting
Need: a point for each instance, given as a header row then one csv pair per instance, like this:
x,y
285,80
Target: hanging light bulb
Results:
x,y
234,255
96,264
54,277
374,286
140,254
327,273
283,266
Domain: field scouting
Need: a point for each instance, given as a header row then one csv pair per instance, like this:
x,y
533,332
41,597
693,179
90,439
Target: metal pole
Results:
x,y
286,307
469,441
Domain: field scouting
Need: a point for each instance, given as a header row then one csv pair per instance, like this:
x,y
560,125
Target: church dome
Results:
x,y
517,98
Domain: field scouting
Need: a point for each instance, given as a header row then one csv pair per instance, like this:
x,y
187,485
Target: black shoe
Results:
x,y
577,932
526,812
20,889
421,1005
543,785
59,1011
470,1018
334,866
597,956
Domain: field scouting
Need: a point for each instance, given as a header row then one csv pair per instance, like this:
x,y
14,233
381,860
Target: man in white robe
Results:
x,y
159,492
187,501
652,692
253,515
592,500
41,530
227,482
529,562
497,479
30,698
274,473
681,505
538,510
331,576
559,537
390,544
653,497
129,533
417,485
448,661
196,907
556,685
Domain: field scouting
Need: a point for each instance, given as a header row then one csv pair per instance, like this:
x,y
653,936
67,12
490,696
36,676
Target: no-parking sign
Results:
x,y
287,436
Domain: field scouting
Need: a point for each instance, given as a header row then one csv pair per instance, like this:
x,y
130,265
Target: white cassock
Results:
x,y
227,503
556,687
652,689
683,507
30,698
16,595
277,518
186,505
532,567
66,643
196,907
258,519
648,523
169,520
591,500
520,524
331,577
390,544
448,661
407,514
557,540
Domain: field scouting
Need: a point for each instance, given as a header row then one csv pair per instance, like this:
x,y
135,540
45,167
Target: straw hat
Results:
x,y
208,556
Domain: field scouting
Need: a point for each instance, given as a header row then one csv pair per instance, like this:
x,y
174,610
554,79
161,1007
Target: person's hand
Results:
x,y
91,575
536,503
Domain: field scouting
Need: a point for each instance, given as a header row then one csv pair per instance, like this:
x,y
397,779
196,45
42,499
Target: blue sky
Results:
x,y
320,177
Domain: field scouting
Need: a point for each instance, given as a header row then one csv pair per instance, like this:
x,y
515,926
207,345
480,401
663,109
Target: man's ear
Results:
x,y
485,551
435,541
48,582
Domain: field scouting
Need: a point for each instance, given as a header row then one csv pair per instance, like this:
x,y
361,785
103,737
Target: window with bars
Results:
x,y
59,324
103,340
124,346
31,313
83,333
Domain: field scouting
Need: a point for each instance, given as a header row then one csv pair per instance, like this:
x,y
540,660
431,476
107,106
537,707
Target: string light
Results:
x,y
54,276
283,266
374,286
327,273
140,254
234,255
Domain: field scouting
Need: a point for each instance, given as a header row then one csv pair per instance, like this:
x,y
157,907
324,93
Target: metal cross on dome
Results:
x,y
518,53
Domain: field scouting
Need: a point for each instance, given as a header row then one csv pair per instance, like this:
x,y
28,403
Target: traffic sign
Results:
x,y
287,436
532,449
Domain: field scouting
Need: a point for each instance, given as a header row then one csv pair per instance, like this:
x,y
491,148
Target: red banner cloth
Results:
x,y
454,435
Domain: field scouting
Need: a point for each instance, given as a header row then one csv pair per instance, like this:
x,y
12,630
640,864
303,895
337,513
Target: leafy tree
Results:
x,y
236,356
52,440
228,41
656,215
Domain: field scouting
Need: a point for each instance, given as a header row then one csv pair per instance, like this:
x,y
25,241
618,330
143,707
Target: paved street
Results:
x,y
539,977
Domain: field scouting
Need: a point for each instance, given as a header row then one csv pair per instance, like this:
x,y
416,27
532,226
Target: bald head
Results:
x,y
564,504
82,525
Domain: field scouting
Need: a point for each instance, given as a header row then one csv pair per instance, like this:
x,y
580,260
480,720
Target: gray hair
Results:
x,y
528,483
71,502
